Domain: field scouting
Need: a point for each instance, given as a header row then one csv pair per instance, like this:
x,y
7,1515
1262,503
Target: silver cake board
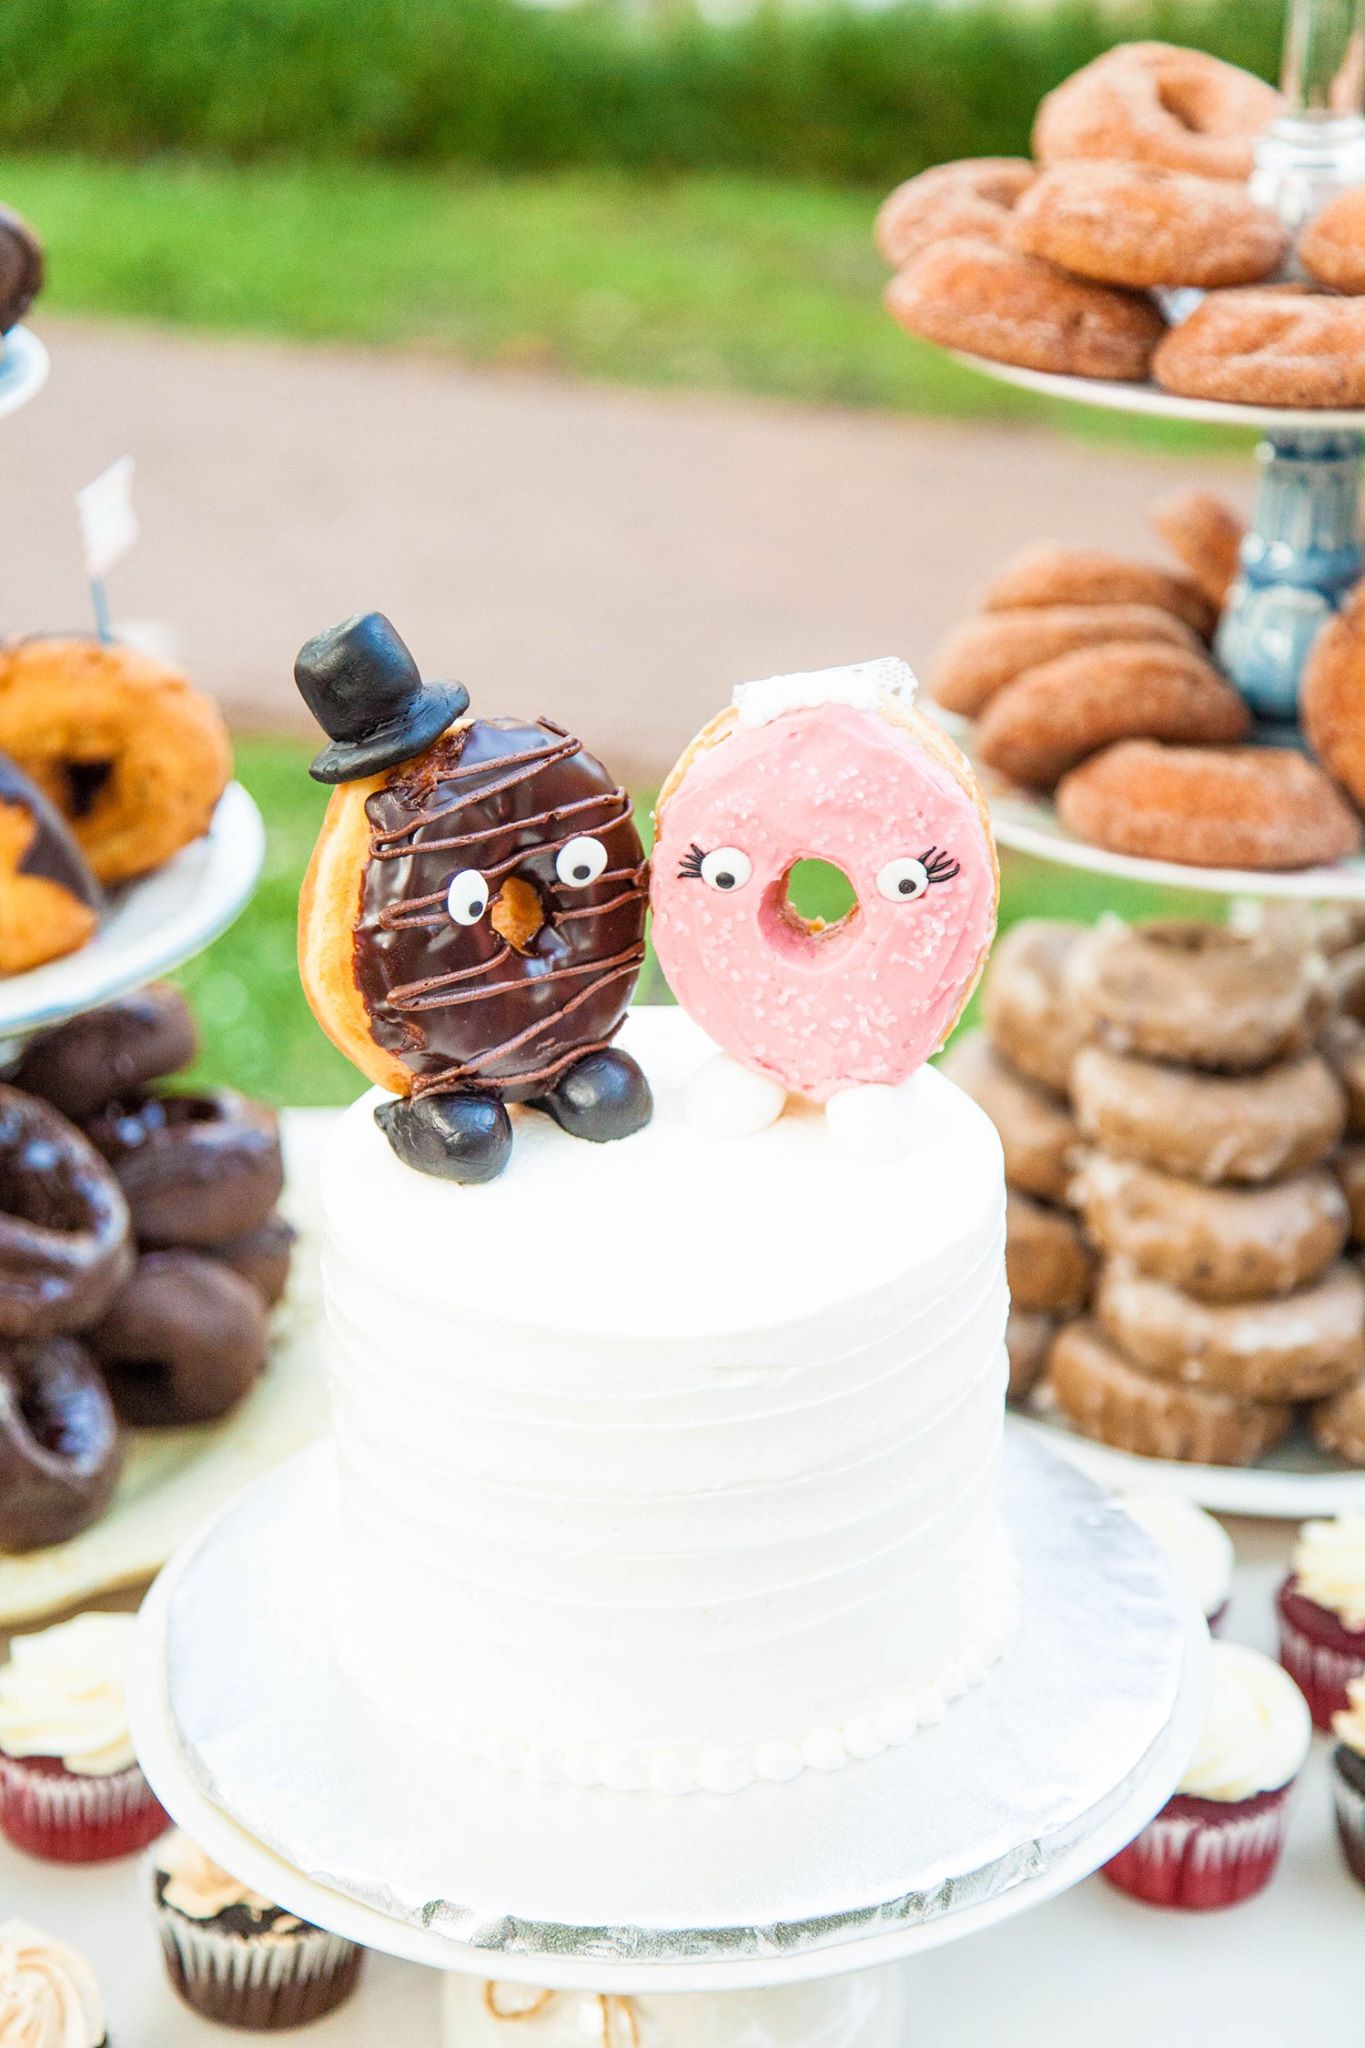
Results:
x,y
255,1741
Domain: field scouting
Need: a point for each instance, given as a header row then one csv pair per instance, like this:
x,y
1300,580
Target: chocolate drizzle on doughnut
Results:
x,y
505,1005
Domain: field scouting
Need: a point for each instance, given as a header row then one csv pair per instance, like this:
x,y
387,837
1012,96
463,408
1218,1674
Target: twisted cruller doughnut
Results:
x,y
1332,246
973,197
1046,574
1104,1396
1156,103
1209,1127
1144,226
982,656
65,1247
1268,345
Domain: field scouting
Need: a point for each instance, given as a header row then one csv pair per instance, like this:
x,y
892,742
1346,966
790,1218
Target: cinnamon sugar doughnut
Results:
x,y
1332,246
1337,1426
1348,1164
1155,103
1188,990
1037,1130
973,197
1026,1004
981,656
1218,1244
1046,574
1028,1339
1268,345
1047,1262
1106,1398
1300,1347
1209,807
1058,714
1205,535
1144,226
1209,1127
1010,308
1332,695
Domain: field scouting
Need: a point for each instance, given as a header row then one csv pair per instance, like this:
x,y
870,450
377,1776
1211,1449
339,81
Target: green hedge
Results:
x,y
822,93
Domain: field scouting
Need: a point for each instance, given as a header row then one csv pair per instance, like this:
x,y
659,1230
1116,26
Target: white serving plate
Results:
x,y
1149,398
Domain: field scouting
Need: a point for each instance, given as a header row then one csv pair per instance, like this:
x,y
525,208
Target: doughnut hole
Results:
x,y
810,905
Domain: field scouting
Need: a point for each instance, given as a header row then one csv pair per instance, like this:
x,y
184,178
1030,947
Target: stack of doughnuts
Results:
x,y
1089,676
1137,186
140,1253
1210,1118
1018,1068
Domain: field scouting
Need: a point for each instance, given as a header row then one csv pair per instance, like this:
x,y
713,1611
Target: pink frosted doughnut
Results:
x,y
836,767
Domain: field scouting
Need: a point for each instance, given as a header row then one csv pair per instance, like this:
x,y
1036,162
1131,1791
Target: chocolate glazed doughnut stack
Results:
x,y
1223,1302
1018,1069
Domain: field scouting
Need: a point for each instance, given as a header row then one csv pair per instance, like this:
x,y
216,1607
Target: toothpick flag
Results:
x,y
108,530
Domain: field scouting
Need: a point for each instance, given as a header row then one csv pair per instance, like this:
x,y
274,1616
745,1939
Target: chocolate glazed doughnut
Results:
x,y
184,1341
86,1062
195,1169
60,1454
65,1244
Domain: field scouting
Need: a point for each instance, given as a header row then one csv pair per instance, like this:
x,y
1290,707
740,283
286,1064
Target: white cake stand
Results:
x,y
152,925
249,1732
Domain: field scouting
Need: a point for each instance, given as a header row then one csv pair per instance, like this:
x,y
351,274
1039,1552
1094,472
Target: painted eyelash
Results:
x,y
690,864
939,865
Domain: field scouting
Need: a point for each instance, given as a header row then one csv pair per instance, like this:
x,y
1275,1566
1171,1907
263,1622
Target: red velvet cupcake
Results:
x,y
1321,1608
1219,1839
70,1787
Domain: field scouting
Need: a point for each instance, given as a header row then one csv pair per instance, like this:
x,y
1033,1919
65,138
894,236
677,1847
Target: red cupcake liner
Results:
x,y
1318,1651
1202,1854
66,1818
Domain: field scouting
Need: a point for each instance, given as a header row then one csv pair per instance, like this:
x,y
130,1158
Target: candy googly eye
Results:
x,y
467,896
901,881
580,862
725,870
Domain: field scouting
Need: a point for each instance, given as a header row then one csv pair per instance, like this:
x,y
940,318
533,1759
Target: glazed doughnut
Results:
x,y
1337,1426
1156,103
1332,695
1145,226
261,1256
1301,1347
1009,308
972,198
1054,716
131,754
1209,807
1188,990
65,1246
183,1342
1209,1127
1036,1127
1332,246
1268,345
1028,1339
1218,1244
1046,574
837,765
21,268
50,903
1348,1164
1048,1265
1026,1003
84,1063
60,1453
1205,535
1105,1397
195,1169
1343,1035
982,656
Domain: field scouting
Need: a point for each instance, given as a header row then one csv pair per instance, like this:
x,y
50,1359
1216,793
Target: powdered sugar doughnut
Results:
x,y
837,767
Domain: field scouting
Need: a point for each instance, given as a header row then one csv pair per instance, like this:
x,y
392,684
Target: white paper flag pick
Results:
x,y
108,521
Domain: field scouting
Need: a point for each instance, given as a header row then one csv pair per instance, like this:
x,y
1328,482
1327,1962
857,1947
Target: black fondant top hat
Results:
x,y
364,689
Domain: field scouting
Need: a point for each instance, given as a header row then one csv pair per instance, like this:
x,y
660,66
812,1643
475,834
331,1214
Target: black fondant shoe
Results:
x,y
456,1137
605,1096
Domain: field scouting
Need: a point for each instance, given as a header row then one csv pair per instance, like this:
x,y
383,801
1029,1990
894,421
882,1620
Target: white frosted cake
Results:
x,y
671,1463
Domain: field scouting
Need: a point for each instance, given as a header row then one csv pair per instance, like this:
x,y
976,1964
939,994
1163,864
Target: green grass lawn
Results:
x,y
721,282
257,1032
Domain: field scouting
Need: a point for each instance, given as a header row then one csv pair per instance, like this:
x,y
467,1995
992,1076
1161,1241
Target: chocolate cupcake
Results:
x,y
1348,1776
1321,1609
48,1991
236,1958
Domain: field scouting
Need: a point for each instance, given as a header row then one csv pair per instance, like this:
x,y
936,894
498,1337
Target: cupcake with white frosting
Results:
x,y
1218,1840
70,1786
1321,1608
236,1957
48,1994
1199,1548
1348,1775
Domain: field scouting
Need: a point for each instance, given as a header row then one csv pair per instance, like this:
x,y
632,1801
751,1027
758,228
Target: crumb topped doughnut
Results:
x,y
1044,574
1210,807
973,198
131,754
1156,103
978,658
838,767
1268,345
1011,308
1332,246
1142,225
1205,535
1332,695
